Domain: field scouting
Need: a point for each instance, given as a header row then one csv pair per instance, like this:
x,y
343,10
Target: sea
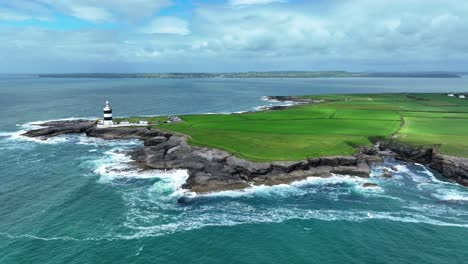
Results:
x,y
74,199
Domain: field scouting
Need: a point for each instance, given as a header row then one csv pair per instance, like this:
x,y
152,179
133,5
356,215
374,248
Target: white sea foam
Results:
x,y
237,214
279,190
18,135
297,187
267,99
116,165
434,178
402,168
451,195
6,134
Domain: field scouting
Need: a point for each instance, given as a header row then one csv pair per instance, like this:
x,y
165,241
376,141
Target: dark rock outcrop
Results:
x,y
216,170
408,153
295,99
453,168
56,128
386,174
370,185
141,133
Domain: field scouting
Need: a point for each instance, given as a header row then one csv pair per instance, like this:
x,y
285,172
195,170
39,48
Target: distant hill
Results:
x,y
269,74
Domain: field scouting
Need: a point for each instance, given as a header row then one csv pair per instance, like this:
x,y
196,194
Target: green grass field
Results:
x,y
334,127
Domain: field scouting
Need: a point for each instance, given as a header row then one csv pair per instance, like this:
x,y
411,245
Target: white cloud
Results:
x,y
416,34
20,10
92,14
166,25
12,16
255,2
108,10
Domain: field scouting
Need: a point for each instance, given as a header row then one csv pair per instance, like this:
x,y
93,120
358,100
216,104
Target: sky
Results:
x,y
71,36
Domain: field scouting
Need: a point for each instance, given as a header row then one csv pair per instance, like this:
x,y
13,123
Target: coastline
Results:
x,y
213,170
210,170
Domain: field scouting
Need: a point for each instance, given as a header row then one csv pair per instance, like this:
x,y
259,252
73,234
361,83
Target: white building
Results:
x,y
108,115
108,122
461,96
451,95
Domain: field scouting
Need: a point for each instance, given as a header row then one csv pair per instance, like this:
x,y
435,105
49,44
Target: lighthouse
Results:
x,y
108,115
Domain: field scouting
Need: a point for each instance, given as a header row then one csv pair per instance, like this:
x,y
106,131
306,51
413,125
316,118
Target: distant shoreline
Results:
x,y
247,75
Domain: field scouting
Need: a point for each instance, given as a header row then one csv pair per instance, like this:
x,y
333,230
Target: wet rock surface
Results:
x,y
370,185
57,128
453,168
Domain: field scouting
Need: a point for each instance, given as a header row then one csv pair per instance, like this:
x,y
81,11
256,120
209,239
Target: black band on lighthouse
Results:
x,y
108,112
108,118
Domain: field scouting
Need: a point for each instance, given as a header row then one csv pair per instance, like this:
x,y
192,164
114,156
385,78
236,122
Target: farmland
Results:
x,y
336,126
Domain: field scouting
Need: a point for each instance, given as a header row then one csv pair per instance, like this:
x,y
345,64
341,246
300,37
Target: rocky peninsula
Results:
x,y
213,170
209,169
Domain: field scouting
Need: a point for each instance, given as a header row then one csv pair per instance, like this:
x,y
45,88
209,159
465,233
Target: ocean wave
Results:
x,y
18,135
451,195
34,237
57,238
116,164
249,215
295,188
215,210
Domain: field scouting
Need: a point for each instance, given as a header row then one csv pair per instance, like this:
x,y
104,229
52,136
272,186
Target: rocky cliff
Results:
x,y
453,168
216,170
210,169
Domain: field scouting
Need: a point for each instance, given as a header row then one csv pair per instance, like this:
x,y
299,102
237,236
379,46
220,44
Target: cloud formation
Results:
x,y
21,10
166,25
105,10
348,34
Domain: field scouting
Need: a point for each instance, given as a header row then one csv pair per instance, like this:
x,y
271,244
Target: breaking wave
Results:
x,y
23,128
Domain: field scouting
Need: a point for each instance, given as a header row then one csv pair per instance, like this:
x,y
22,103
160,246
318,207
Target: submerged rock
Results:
x,y
386,173
370,185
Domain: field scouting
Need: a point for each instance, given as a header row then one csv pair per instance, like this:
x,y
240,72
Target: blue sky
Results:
x,y
232,35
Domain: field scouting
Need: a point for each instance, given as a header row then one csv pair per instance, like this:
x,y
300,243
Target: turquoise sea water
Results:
x,y
77,200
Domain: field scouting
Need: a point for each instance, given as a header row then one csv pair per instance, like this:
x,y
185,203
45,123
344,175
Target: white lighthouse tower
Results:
x,y
108,115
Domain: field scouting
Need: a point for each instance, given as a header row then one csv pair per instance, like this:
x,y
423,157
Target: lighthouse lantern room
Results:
x,y
108,115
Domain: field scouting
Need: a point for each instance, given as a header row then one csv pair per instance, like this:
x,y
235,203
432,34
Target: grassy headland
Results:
x,y
334,127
